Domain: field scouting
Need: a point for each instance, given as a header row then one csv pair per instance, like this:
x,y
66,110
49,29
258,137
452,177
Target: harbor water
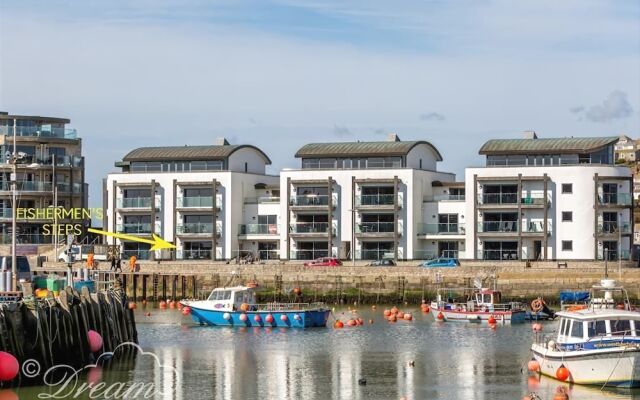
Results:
x,y
419,359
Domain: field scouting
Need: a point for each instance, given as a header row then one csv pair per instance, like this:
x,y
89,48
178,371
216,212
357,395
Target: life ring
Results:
x,y
537,305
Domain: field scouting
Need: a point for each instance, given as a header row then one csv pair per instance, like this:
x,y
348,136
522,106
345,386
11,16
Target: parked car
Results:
x,y
385,262
24,270
324,262
441,262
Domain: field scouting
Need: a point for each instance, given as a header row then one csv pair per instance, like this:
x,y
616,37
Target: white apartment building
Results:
x,y
548,199
207,200
357,200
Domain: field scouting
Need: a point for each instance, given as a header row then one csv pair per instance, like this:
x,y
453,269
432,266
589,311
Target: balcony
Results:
x,y
615,199
500,227
60,161
200,254
535,227
498,255
445,229
198,202
431,254
308,254
376,228
28,186
614,228
197,228
134,228
375,254
613,255
511,199
313,200
258,229
134,202
385,201
445,197
262,200
310,228
69,188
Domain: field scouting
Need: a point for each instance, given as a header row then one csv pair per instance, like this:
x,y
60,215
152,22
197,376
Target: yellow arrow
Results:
x,y
157,242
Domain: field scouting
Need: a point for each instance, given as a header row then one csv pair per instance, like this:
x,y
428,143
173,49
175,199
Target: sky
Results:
x,y
282,73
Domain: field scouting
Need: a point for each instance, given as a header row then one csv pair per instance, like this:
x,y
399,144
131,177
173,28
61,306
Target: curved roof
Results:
x,y
550,145
346,149
170,153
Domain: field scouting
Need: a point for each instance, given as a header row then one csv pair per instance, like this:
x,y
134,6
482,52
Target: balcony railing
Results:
x,y
197,202
200,254
377,254
134,202
614,227
134,228
6,212
196,228
262,199
28,186
535,227
513,198
441,229
258,229
374,200
445,197
615,199
498,226
308,254
504,255
309,227
139,254
61,161
612,255
374,227
27,238
312,200
69,188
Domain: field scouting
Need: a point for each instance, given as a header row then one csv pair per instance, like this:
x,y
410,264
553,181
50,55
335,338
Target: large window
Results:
x,y
352,163
621,327
577,330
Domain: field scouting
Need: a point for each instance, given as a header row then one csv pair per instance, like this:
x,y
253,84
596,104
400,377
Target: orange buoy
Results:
x,y
394,310
172,304
562,373
180,306
393,318
360,321
408,317
269,318
492,320
537,327
163,304
440,316
532,382
400,315
132,306
352,322
244,307
533,366
186,310
297,291
338,324
257,318
426,309
386,313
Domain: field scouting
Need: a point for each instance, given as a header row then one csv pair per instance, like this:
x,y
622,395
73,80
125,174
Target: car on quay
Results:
x,y
385,262
324,262
441,262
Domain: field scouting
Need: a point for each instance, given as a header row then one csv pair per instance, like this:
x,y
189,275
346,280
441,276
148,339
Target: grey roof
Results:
x,y
6,115
346,149
168,153
550,145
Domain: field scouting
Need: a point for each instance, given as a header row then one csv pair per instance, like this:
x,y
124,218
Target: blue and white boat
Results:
x,y
236,306
596,344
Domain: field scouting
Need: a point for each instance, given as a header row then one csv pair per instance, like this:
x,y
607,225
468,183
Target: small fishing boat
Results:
x,y
236,306
483,305
596,344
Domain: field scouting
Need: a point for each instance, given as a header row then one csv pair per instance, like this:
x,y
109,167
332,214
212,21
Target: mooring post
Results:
x,y
144,287
164,287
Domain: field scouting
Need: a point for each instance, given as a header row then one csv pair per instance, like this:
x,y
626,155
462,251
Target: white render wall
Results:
x,y
233,186
581,202
415,184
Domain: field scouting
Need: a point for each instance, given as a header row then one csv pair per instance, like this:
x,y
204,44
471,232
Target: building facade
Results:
x,y
49,173
201,198
357,200
548,199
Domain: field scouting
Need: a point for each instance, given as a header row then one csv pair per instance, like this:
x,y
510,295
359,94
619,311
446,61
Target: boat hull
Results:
x,y
293,319
613,367
501,317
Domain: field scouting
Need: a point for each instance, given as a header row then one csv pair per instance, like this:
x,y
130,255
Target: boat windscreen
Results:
x,y
572,297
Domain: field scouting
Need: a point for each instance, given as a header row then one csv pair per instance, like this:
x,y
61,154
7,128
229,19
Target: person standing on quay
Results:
x,y
132,263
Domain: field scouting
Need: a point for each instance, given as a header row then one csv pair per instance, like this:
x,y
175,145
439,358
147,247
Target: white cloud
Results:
x,y
615,106
433,116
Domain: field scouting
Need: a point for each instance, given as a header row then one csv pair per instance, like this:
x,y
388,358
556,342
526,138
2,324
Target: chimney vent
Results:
x,y
392,137
529,135
222,142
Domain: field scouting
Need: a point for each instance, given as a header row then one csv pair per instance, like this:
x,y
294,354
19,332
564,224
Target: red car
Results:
x,y
324,262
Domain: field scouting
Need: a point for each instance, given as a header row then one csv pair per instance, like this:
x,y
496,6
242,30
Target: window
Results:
x,y
246,167
567,188
621,327
597,328
567,216
567,245
577,330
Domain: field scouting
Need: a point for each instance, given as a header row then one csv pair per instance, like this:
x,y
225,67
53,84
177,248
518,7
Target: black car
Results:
x,y
385,262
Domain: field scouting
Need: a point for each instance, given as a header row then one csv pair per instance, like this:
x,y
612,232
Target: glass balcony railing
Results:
x,y
27,238
498,198
374,254
35,130
535,227
612,255
445,197
615,199
60,161
441,229
498,226
309,227
197,202
503,255
139,254
374,200
134,228
198,254
258,229
614,228
134,202
312,200
262,199
195,228
374,227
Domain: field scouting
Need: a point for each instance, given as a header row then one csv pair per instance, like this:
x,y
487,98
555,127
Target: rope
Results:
x,y
614,367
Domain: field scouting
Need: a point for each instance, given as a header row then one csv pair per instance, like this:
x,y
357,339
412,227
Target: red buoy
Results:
x,y
257,318
386,313
492,320
269,319
243,317
9,366
186,311
440,316
162,304
533,366
562,373
338,324
284,318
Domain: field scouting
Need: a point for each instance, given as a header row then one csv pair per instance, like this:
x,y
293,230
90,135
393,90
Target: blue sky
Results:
x,y
279,74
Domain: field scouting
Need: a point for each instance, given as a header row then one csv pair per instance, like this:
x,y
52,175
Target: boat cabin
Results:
x,y
487,297
230,299
588,326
